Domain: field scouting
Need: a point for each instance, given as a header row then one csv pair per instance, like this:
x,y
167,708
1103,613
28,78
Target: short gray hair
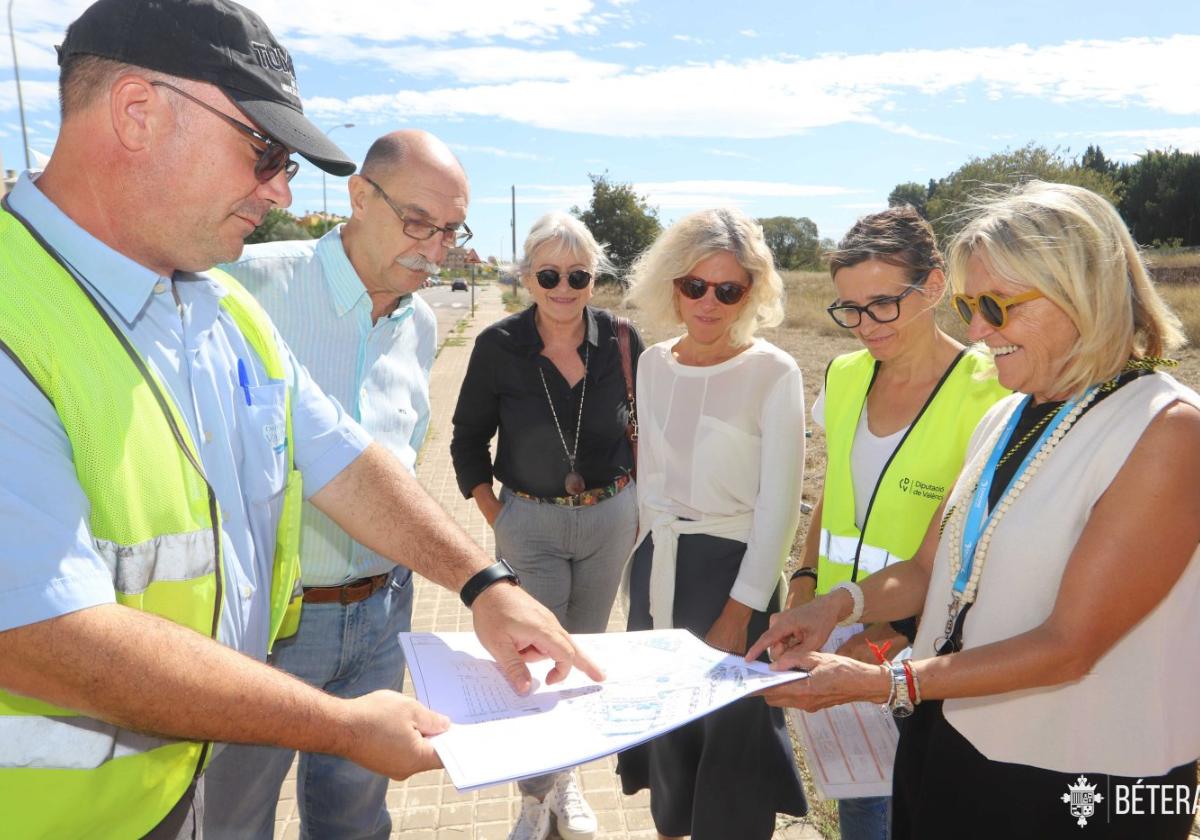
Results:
x,y
693,238
568,234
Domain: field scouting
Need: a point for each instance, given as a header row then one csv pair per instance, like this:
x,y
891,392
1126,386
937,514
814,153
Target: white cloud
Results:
x,y
779,97
748,33
469,65
627,45
1128,144
690,39
417,20
673,195
493,151
727,153
38,96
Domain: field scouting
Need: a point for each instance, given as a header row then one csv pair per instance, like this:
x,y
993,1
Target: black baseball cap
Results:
x,y
213,41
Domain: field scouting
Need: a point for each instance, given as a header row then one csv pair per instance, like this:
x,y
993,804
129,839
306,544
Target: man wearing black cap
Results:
x,y
154,429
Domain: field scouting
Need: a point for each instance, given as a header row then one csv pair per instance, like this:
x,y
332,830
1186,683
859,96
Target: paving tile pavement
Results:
x,y
427,806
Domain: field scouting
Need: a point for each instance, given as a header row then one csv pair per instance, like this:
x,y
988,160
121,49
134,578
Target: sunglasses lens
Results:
x,y
579,279
271,162
547,278
729,293
991,310
693,288
963,308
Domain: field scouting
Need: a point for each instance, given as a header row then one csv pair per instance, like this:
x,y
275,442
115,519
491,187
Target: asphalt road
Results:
x,y
448,306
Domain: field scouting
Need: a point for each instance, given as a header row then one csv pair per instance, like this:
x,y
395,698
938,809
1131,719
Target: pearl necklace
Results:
x,y
956,521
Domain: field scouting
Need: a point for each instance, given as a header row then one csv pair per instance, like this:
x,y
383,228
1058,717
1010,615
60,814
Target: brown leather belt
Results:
x,y
349,593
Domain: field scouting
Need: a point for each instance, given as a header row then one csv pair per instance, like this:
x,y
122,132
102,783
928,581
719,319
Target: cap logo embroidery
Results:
x,y
276,58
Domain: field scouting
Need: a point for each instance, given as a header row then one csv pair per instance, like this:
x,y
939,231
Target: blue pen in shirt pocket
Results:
x,y
265,413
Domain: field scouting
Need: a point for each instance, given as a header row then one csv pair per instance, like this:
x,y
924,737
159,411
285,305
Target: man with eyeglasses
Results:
x,y
346,306
155,437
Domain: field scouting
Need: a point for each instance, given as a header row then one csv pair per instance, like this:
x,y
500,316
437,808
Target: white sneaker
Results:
x,y
534,822
576,819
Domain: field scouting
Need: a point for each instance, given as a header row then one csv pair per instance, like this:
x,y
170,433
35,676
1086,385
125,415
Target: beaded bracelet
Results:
x,y
856,599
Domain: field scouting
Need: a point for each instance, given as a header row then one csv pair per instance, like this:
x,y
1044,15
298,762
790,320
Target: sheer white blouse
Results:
x,y
724,444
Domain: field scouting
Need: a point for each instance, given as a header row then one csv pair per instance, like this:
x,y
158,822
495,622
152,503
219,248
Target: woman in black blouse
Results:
x,y
550,380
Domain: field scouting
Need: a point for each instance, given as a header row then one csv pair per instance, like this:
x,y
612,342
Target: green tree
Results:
x,y
277,225
1161,197
795,242
1093,158
950,202
910,193
620,218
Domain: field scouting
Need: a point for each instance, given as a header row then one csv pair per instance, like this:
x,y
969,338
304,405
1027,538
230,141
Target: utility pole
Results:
x,y
514,234
12,35
324,202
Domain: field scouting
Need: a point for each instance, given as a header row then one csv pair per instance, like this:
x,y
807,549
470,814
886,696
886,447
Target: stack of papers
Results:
x,y
657,680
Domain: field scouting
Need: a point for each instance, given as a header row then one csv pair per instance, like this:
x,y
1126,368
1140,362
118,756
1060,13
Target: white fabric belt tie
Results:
x,y
841,550
665,530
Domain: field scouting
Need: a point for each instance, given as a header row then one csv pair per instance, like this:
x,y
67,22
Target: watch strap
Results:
x,y
481,580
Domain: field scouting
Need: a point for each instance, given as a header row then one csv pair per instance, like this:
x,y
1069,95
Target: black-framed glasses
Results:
x,y
452,234
549,278
695,288
272,159
993,308
882,310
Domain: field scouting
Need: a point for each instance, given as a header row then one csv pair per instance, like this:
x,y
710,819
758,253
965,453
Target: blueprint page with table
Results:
x,y
656,681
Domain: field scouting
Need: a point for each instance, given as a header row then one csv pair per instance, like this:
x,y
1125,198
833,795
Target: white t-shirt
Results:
x,y
868,456
724,441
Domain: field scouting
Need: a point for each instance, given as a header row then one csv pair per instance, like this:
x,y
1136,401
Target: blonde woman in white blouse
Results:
x,y
720,465
1055,671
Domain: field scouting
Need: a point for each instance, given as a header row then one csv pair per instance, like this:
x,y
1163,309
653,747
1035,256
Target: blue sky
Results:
x,y
782,108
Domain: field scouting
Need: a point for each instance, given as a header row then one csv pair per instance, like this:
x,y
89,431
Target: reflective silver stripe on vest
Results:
x,y
169,557
67,743
840,550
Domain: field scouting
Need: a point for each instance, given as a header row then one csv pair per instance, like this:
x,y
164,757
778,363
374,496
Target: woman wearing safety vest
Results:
x,y
897,418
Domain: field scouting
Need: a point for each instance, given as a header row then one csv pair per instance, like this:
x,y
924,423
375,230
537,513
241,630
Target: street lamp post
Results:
x,y
17,78
324,201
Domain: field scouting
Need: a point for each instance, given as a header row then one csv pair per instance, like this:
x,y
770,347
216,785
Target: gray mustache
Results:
x,y
416,262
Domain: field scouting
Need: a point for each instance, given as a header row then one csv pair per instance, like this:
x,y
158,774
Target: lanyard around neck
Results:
x,y
978,515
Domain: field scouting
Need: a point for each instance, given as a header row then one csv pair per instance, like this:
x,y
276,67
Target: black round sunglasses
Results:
x,y
549,278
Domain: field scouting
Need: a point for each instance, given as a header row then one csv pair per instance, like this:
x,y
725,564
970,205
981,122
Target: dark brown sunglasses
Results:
x,y
272,159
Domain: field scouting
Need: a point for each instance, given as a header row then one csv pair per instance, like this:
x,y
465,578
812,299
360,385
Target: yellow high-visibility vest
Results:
x,y
155,522
915,479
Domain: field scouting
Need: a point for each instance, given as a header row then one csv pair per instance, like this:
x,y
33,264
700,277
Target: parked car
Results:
x,y
458,285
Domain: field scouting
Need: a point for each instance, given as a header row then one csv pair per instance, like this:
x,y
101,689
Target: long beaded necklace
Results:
x,y
968,557
574,482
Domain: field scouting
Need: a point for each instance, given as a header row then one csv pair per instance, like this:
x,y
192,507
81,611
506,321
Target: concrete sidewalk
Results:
x,y
427,807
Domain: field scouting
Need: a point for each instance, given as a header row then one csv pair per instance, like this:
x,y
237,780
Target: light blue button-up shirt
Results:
x,y
48,566
380,370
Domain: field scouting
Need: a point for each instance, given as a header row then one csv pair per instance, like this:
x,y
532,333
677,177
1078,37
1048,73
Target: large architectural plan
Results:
x,y
656,681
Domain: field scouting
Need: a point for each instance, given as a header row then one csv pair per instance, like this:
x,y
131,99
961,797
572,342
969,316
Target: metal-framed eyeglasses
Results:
x,y
452,234
273,158
882,310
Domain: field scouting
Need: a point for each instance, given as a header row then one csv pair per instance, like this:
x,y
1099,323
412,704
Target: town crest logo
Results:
x,y
1082,798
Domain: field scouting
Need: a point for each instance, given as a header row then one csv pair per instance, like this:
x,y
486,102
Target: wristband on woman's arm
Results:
x,y
805,571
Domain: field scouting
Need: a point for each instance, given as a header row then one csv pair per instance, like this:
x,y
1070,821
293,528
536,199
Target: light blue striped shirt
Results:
x,y
379,371
48,562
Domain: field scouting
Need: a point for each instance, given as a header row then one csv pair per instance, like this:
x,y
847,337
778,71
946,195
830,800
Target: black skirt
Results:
x,y
726,775
943,787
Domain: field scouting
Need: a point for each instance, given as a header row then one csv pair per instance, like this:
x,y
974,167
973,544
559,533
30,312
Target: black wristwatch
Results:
x,y
481,580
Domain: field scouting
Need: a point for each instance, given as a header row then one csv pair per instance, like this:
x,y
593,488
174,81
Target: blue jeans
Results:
x,y
347,651
865,818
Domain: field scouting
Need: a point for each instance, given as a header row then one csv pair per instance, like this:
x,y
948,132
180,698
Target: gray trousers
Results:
x,y
570,560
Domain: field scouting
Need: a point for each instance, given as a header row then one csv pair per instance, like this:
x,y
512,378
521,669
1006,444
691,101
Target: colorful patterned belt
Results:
x,y
584,499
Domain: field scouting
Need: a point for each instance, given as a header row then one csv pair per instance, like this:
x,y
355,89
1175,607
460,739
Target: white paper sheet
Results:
x,y
850,748
656,681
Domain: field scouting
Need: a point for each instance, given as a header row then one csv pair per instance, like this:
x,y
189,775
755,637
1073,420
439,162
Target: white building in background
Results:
x,y
10,177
